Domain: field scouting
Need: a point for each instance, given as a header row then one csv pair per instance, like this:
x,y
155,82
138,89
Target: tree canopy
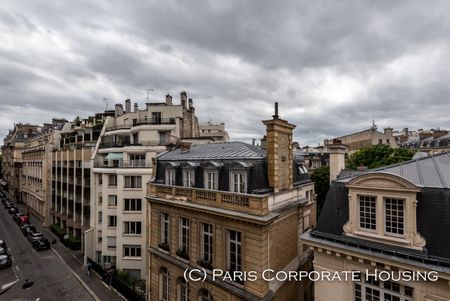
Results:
x,y
378,155
321,179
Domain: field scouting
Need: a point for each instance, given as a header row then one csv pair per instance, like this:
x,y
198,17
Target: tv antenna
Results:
x,y
148,93
105,99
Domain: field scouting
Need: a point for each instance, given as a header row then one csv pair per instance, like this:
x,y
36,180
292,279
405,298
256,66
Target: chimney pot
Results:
x,y
276,111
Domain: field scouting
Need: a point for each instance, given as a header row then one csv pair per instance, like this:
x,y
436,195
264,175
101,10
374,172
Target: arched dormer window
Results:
x,y
188,173
382,207
211,175
239,177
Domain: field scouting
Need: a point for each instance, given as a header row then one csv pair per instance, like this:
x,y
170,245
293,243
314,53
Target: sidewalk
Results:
x,y
74,259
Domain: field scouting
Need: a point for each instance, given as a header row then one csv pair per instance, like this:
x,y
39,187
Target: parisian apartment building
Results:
x,y
71,174
234,207
122,163
385,224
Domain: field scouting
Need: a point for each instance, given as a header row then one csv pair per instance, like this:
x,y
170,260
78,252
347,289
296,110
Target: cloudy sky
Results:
x,y
332,65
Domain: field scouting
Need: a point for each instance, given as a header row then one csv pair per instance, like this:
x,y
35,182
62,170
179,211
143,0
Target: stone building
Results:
x,y
366,138
229,206
36,185
213,131
71,175
385,224
122,164
12,149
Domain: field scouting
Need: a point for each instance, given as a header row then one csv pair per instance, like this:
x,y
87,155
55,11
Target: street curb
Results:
x,y
89,290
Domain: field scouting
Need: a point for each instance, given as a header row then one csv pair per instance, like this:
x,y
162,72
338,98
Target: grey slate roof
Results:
x,y
431,171
216,151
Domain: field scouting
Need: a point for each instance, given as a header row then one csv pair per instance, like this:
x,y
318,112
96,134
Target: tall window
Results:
x,y
184,235
132,205
137,160
234,251
367,212
382,290
100,179
207,243
183,290
188,178
133,181
132,251
211,179
205,295
170,177
132,228
394,216
100,215
164,293
238,181
112,221
165,228
112,200
112,180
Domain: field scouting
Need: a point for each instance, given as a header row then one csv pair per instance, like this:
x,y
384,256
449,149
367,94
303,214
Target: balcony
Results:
x,y
128,143
121,164
118,127
154,121
246,203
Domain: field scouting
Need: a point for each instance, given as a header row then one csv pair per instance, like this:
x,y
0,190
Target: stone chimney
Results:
x,y
191,104
118,110
183,98
136,107
169,100
388,131
128,106
279,152
337,158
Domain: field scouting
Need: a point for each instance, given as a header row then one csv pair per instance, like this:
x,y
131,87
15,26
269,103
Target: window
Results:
x,y
367,212
132,228
234,251
188,178
184,235
165,228
394,215
133,182
156,117
99,236
387,141
132,251
137,160
211,179
112,180
207,242
164,293
132,205
162,138
380,141
170,177
183,290
302,169
112,221
238,181
381,290
111,242
100,179
205,295
100,199
112,200
100,217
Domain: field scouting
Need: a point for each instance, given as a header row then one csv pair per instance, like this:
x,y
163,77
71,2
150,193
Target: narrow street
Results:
x,y
52,279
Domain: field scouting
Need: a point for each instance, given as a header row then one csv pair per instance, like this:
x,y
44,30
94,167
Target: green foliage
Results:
x,y
126,277
57,230
321,179
378,155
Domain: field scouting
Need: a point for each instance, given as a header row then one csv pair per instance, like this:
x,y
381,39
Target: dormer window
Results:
x,y
211,179
170,177
238,181
188,178
394,216
367,212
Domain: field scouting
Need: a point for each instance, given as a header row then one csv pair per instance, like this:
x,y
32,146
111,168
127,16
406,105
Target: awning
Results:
x,y
114,156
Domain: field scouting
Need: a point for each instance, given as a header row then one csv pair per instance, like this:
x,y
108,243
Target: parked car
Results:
x,y
41,244
3,247
27,228
23,218
13,210
8,205
34,235
5,261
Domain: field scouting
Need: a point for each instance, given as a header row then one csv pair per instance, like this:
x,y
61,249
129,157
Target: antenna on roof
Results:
x,y
148,93
374,126
105,99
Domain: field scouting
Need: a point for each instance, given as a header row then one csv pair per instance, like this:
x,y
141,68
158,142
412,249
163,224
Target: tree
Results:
x,y
321,179
378,155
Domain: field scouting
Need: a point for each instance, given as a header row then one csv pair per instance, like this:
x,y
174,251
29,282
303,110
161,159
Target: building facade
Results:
x,y
229,206
12,149
122,164
390,226
71,175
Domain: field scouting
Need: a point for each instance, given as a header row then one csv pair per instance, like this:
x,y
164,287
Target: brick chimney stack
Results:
x,y
128,106
279,152
337,158
183,97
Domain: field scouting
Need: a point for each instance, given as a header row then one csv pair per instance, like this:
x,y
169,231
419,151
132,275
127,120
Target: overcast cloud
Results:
x,y
332,65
